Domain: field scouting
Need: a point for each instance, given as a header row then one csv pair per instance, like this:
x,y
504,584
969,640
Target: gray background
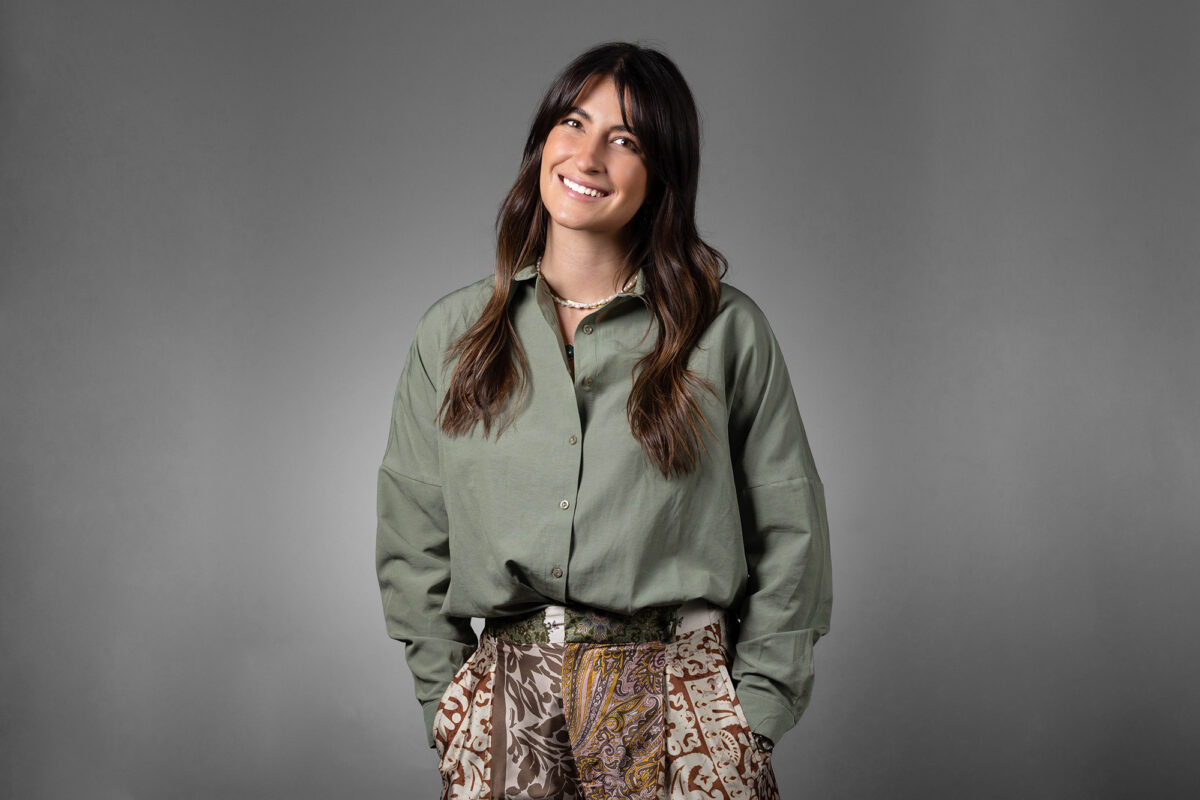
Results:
x,y
973,226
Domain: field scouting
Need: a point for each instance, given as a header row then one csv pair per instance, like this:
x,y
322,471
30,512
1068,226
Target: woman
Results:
x,y
598,451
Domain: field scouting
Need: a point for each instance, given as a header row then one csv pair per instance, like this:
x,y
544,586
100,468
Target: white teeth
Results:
x,y
582,189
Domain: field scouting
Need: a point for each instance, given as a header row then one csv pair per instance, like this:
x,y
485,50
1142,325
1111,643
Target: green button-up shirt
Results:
x,y
564,507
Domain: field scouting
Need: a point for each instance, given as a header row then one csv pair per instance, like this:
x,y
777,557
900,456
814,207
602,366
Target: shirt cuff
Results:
x,y
765,714
429,709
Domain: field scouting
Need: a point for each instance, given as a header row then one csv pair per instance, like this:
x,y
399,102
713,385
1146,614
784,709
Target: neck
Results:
x,y
582,266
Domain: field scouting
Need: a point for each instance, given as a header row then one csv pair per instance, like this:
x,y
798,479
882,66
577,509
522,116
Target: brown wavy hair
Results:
x,y
682,274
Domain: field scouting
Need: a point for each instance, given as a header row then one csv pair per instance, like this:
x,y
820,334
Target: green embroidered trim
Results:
x,y
590,625
528,629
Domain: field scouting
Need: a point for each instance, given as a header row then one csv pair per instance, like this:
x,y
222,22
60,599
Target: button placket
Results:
x,y
563,413
585,355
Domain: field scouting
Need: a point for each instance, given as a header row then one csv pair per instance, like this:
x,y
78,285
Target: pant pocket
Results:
x,y
463,726
761,774
439,720
757,755
738,733
709,748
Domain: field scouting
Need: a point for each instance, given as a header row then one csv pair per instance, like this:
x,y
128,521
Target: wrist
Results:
x,y
763,743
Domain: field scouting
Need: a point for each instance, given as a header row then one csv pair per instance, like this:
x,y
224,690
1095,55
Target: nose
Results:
x,y
589,157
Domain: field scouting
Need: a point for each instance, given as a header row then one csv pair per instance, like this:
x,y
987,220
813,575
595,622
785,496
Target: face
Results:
x,y
593,173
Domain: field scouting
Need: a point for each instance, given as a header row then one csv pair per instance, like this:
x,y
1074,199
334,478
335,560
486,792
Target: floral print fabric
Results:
x,y
463,726
587,721
614,697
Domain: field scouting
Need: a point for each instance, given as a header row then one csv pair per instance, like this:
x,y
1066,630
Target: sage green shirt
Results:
x,y
564,506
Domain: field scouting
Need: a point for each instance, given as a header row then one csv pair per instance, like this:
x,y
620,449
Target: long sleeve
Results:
x,y
412,545
786,537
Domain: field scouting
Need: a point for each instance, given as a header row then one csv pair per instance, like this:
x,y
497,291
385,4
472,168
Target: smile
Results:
x,y
581,189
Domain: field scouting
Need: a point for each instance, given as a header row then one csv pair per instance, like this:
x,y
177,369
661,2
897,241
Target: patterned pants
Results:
x,y
588,721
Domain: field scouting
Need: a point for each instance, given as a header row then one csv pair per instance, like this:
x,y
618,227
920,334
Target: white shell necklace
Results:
x,y
562,301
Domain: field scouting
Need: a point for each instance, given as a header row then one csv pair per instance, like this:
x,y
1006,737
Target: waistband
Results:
x,y
558,624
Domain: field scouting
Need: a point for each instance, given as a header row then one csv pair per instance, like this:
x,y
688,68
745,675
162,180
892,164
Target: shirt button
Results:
x,y
556,572
565,504
573,440
587,328
587,381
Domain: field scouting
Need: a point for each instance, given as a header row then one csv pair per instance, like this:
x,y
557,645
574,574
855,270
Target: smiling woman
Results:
x,y
598,451
593,175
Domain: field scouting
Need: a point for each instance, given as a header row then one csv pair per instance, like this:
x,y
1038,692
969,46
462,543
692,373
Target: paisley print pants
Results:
x,y
600,720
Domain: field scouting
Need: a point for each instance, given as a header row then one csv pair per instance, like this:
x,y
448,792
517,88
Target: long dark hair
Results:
x,y
682,273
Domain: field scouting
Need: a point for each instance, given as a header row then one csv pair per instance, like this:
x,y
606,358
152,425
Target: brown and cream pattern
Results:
x,y
462,727
598,722
532,743
710,751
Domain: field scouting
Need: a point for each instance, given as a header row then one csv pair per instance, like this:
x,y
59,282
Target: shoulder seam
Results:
x,y
768,484
399,474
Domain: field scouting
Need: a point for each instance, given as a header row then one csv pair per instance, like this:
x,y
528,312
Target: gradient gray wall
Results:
x,y
973,226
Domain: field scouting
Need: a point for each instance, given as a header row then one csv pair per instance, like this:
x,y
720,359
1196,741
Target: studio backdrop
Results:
x,y
971,224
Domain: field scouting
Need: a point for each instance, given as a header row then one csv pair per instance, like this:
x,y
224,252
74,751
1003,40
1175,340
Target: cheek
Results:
x,y
551,159
546,169
638,183
552,150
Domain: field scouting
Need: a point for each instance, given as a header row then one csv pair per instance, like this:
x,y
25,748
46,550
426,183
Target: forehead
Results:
x,y
599,93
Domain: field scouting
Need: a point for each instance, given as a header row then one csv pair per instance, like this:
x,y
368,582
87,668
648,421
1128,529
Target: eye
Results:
x,y
571,122
625,141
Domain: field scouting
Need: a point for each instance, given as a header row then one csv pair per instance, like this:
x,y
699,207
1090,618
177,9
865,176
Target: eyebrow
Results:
x,y
585,115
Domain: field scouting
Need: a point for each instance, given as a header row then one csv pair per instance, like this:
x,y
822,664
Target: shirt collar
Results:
x,y
637,290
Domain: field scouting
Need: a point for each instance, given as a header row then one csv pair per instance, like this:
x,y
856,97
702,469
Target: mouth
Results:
x,y
581,189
